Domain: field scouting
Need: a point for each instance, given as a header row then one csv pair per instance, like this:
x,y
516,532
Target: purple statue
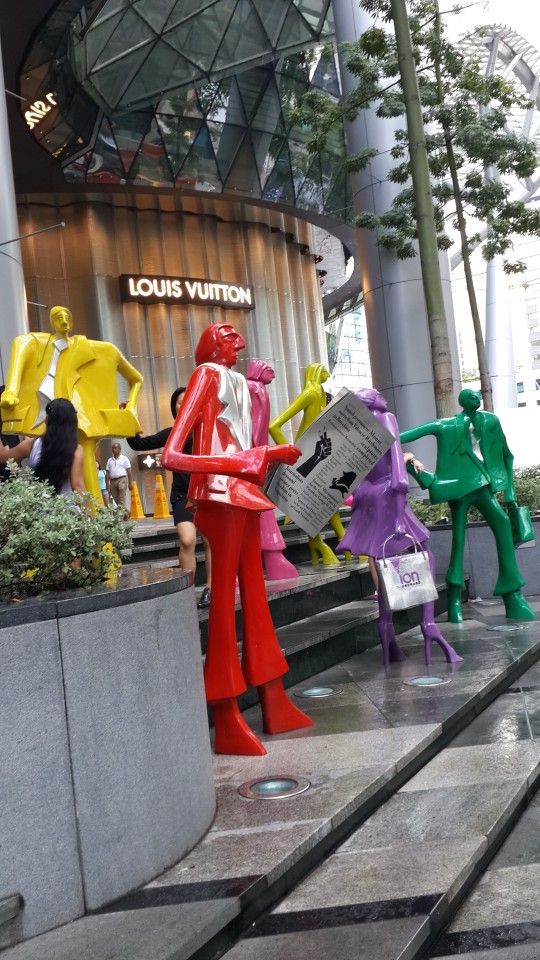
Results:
x,y
380,510
277,567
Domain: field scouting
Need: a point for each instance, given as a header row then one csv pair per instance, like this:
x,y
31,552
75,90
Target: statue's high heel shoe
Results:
x,y
454,603
318,546
431,632
279,713
516,606
277,567
232,734
392,652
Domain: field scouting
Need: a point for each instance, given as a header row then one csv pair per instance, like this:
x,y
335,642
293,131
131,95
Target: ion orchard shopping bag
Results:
x,y
405,580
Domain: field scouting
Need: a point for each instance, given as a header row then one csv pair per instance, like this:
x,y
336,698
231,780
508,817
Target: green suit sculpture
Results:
x,y
473,463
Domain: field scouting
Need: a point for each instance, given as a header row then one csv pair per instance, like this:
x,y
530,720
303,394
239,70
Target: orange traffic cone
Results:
x,y
136,511
161,507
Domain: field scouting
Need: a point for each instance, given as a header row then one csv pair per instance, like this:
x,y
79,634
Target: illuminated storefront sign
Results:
x,y
185,290
39,109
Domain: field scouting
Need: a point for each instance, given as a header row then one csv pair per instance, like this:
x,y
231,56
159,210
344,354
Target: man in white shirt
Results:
x,y
118,476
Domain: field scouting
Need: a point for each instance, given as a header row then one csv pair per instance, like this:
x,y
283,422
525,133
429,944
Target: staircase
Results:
x,y
412,789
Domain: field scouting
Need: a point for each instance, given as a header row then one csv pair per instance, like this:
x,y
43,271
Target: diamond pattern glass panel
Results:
x,y
242,176
129,130
326,77
279,184
87,52
311,193
244,39
106,166
222,102
112,80
182,102
129,32
184,9
149,83
198,38
151,167
295,30
268,116
272,18
156,13
198,94
201,163
311,11
75,172
339,201
178,135
226,140
252,85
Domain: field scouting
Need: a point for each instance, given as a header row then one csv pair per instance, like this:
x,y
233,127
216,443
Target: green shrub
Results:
x,y
527,483
527,480
45,544
429,513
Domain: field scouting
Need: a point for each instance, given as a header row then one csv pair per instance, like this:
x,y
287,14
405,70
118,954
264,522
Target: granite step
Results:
x,y
324,639
315,591
390,889
501,914
156,540
381,767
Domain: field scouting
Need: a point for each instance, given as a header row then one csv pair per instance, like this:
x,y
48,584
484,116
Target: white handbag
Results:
x,y
405,580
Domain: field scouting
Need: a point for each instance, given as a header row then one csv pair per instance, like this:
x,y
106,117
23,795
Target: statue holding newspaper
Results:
x,y
310,403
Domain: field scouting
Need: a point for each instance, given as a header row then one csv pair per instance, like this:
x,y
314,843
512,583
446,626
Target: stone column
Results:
x,y
14,315
396,317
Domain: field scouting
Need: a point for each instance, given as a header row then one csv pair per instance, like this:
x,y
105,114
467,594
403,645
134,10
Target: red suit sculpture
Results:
x,y
226,474
258,375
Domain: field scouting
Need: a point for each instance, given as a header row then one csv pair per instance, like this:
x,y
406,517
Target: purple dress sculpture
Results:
x,y
380,510
277,567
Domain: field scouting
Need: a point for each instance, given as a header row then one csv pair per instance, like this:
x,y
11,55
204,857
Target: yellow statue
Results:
x,y
312,402
48,365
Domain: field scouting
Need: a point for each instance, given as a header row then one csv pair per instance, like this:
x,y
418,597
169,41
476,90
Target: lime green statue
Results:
x,y
310,403
473,464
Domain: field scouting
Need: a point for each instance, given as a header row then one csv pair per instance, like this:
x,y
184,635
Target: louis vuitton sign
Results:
x,y
185,290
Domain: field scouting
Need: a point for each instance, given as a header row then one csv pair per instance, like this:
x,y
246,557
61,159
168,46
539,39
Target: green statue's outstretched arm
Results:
x,y
434,427
424,430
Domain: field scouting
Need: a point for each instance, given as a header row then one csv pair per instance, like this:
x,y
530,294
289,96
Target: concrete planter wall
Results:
x,y
480,559
106,776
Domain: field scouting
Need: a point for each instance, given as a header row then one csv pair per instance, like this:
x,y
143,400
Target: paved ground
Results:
x,y
426,812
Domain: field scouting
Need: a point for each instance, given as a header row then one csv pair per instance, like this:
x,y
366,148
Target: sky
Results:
x,y
523,16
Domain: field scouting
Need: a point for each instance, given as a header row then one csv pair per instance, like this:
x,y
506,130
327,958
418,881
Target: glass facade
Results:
x,y
348,353
194,95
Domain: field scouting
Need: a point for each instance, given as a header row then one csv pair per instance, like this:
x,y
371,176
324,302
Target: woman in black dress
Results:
x,y
182,516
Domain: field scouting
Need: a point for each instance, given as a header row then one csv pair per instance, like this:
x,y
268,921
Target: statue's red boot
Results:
x,y
279,714
233,736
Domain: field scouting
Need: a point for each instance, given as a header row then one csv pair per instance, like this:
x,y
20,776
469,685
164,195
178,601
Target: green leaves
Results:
x,y
47,544
464,111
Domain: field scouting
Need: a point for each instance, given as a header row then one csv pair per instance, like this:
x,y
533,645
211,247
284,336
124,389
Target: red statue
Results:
x,y
226,473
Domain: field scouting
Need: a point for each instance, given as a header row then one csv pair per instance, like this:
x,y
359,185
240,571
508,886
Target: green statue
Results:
x,y
473,463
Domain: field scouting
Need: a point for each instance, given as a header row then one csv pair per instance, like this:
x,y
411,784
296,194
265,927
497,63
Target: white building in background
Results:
x,y
348,351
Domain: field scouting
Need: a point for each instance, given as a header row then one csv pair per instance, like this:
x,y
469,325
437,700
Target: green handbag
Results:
x,y
520,520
